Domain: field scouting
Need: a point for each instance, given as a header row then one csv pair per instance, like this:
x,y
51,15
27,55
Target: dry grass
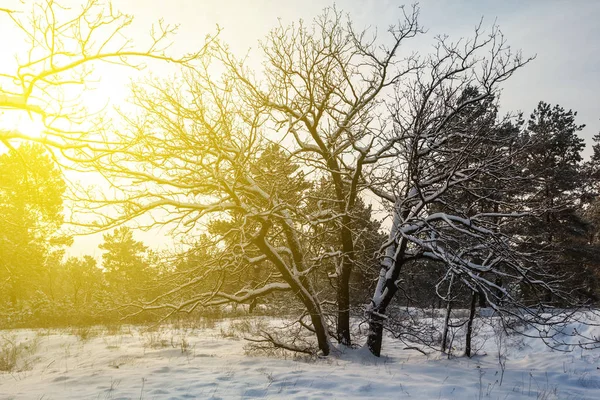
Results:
x,y
16,356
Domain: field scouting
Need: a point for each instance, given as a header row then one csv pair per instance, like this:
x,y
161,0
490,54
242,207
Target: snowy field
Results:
x,y
210,361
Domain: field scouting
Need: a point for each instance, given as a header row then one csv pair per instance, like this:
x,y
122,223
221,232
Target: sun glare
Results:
x,y
25,124
31,126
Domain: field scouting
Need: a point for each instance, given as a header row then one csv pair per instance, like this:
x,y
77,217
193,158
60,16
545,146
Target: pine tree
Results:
x,y
555,163
126,269
31,204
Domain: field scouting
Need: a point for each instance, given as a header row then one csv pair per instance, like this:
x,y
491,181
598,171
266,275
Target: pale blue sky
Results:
x,y
565,36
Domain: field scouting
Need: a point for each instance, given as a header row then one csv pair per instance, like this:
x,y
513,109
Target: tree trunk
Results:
x,y
446,325
386,286
469,337
343,300
499,293
255,280
375,337
316,317
377,318
448,311
343,283
300,285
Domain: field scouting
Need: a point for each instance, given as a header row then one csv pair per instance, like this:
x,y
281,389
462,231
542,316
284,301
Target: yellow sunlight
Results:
x,y
30,125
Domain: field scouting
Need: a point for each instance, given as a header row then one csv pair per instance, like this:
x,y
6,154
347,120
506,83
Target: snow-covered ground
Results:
x,y
205,362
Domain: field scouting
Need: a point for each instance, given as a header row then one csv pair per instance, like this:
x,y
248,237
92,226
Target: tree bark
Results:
x,y
386,286
343,281
448,311
375,337
468,340
343,300
377,316
300,285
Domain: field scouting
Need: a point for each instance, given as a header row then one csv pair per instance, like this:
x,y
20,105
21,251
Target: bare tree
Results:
x,y
323,87
450,184
420,133
56,66
186,161
327,84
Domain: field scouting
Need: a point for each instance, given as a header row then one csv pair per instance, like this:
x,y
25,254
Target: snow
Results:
x,y
209,360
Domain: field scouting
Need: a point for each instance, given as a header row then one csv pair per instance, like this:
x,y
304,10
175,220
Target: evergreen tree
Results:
x,y
559,176
556,163
126,269
324,227
275,173
83,279
31,204
592,172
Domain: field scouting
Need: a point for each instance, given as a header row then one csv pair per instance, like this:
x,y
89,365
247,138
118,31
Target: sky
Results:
x,y
564,37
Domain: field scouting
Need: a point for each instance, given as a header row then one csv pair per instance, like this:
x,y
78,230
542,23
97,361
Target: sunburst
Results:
x,y
23,123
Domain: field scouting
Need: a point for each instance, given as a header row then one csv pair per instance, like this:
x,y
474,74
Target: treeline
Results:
x,y
42,286
342,177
